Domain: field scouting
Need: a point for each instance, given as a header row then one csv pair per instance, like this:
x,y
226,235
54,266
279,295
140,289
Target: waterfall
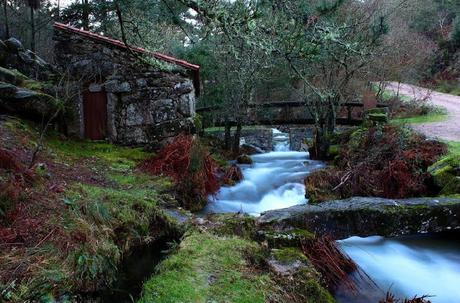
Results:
x,y
281,141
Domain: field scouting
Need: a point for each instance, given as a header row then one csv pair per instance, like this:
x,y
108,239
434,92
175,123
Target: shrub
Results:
x,y
382,161
190,165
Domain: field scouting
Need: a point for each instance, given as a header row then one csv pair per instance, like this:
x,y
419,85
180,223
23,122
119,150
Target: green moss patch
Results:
x,y
118,157
208,268
288,255
243,226
446,174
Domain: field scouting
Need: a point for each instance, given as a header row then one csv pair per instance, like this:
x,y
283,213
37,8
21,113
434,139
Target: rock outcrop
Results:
x,y
361,216
20,92
13,55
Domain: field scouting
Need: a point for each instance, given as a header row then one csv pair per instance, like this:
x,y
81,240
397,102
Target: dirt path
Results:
x,y
446,130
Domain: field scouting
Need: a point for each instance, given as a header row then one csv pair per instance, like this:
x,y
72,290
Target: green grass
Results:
x,y
430,118
118,157
454,147
111,206
208,268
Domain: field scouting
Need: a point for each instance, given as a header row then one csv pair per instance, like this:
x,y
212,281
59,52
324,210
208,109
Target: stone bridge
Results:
x,y
292,113
369,217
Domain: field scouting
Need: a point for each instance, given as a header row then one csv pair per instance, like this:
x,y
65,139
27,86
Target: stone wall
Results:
x,y
146,104
260,137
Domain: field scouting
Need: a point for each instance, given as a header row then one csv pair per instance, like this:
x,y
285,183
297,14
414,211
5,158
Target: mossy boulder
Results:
x,y
376,115
285,238
446,174
377,110
380,118
28,103
368,216
244,159
240,225
8,76
289,255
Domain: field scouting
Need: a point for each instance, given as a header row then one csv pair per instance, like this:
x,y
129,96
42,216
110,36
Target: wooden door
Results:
x,y
95,113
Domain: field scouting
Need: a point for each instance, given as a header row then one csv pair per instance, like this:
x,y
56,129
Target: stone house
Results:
x,y
125,94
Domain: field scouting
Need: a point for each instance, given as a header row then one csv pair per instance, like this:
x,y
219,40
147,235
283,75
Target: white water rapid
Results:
x,y
273,181
407,266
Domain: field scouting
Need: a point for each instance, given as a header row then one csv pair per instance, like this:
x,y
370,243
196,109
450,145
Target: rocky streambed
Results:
x,y
401,238
408,247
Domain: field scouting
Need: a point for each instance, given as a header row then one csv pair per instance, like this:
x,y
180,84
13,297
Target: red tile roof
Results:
x,y
120,44
193,67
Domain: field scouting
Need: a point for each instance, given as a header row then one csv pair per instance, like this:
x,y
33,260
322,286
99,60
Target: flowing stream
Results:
x,y
273,181
406,266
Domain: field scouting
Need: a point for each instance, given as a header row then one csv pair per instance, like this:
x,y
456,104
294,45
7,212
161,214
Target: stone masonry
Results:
x,y
145,103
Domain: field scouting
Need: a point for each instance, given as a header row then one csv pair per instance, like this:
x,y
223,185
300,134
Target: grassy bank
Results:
x,y
429,118
222,267
85,208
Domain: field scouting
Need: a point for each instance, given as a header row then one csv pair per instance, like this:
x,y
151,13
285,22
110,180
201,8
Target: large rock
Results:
x,y
446,174
244,159
14,45
369,216
28,103
250,149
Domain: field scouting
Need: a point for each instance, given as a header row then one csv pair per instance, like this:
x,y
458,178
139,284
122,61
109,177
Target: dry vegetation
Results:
x,y
189,163
381,161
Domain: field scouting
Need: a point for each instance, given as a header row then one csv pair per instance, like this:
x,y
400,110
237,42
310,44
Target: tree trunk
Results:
x,y
85,14
331,118
237,137
228,137
321,142
5,15
32,29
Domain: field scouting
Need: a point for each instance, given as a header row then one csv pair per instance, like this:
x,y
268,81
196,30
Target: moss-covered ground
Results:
x,y
86,209
209,268
210,265
89,206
